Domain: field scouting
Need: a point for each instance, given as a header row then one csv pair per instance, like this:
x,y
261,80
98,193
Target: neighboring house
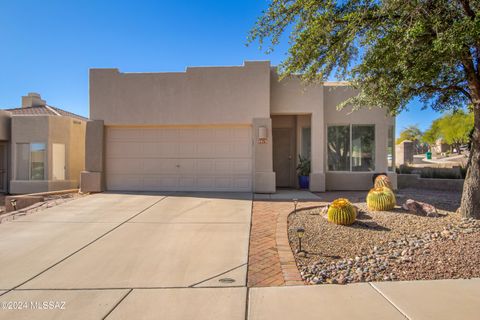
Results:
x,y
404,152
42,148
228,129
441,146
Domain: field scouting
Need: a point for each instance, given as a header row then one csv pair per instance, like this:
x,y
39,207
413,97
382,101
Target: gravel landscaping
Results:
x,y
390,245
50,201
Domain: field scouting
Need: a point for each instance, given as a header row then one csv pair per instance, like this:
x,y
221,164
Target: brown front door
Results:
x,y
283,156
3,167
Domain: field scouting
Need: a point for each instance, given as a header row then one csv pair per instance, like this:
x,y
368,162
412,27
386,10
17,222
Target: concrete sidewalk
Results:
x,y
419,300
436,300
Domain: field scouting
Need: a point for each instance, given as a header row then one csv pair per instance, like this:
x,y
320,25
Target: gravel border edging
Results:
x,y
39,206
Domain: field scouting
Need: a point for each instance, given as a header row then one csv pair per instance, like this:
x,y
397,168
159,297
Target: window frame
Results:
x,y
302,151
350,125
374,158
393,167
350,146
45,157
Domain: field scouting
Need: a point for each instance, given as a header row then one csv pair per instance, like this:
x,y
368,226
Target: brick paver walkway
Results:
x,y
271,261
263,261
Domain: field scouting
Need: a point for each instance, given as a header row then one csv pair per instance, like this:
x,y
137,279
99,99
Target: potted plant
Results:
x,y
303,170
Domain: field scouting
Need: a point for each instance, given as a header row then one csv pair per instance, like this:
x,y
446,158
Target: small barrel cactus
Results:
x,y
381,199
383,181
341,211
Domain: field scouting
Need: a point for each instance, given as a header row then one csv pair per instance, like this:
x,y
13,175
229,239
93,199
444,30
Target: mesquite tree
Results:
x,y
391,50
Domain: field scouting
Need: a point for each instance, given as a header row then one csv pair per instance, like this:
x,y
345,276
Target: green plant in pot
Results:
x,y
303,170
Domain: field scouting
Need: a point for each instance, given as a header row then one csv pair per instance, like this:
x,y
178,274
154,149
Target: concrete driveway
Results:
x,y
119,254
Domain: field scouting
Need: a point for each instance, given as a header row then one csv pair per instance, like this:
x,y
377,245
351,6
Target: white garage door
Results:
x,y
179,159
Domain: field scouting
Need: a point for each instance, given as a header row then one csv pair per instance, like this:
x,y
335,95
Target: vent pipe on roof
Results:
x,y
33,99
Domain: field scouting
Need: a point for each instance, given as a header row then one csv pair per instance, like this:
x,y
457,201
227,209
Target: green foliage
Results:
x,y
433,133
381,199
454,128
391,50
411,133
341,211
303,167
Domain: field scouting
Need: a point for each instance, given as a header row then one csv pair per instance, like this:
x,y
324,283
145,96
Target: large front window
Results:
x,y
351,148
363,148
339,148
31,161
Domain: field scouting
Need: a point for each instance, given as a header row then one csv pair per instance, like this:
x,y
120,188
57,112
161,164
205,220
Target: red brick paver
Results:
x,y
271,261
263,262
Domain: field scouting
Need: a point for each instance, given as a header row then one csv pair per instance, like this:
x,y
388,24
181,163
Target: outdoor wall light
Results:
x,y
262,135
300,234
13,202
295,203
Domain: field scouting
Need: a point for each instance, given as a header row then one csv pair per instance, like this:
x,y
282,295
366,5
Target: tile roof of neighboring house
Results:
x,y
44,110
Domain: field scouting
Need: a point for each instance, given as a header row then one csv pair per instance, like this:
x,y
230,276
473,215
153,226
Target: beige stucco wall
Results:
x,y
76,150
378,117
264,177
247,94
5,119
49,129
292,96
200,95
93,178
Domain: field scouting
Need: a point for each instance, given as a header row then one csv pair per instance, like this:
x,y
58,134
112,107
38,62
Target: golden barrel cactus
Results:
x,y
381,199
383,181
341,211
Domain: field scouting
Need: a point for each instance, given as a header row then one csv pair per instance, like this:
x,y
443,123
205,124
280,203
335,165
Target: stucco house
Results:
x,y
42,148
229,129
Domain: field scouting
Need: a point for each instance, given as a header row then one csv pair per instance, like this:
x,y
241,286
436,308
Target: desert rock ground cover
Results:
x,y
387,245
49,201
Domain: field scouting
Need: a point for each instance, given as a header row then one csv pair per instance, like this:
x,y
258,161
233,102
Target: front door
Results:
x,y
58,161
3,167
284,156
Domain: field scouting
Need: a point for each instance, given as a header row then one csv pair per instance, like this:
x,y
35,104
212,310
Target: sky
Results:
x,y
48,46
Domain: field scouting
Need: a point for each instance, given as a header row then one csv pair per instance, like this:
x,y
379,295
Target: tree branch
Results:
x,y
468,10
430,88
472,78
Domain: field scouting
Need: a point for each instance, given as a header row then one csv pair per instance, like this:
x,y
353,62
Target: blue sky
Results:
x,y
48,46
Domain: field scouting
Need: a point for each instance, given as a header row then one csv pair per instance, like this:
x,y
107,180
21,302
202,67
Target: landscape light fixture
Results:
x,y
13,202
295,203
300,234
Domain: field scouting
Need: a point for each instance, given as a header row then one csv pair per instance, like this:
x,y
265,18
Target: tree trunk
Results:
x,y
470,205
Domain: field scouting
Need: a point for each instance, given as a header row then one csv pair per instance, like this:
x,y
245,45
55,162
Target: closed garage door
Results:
x,y
179,159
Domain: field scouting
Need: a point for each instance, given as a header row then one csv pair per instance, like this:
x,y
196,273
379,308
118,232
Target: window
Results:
x,y
31,161
351,148
23,161
390,150
306,142
363,148
339,148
